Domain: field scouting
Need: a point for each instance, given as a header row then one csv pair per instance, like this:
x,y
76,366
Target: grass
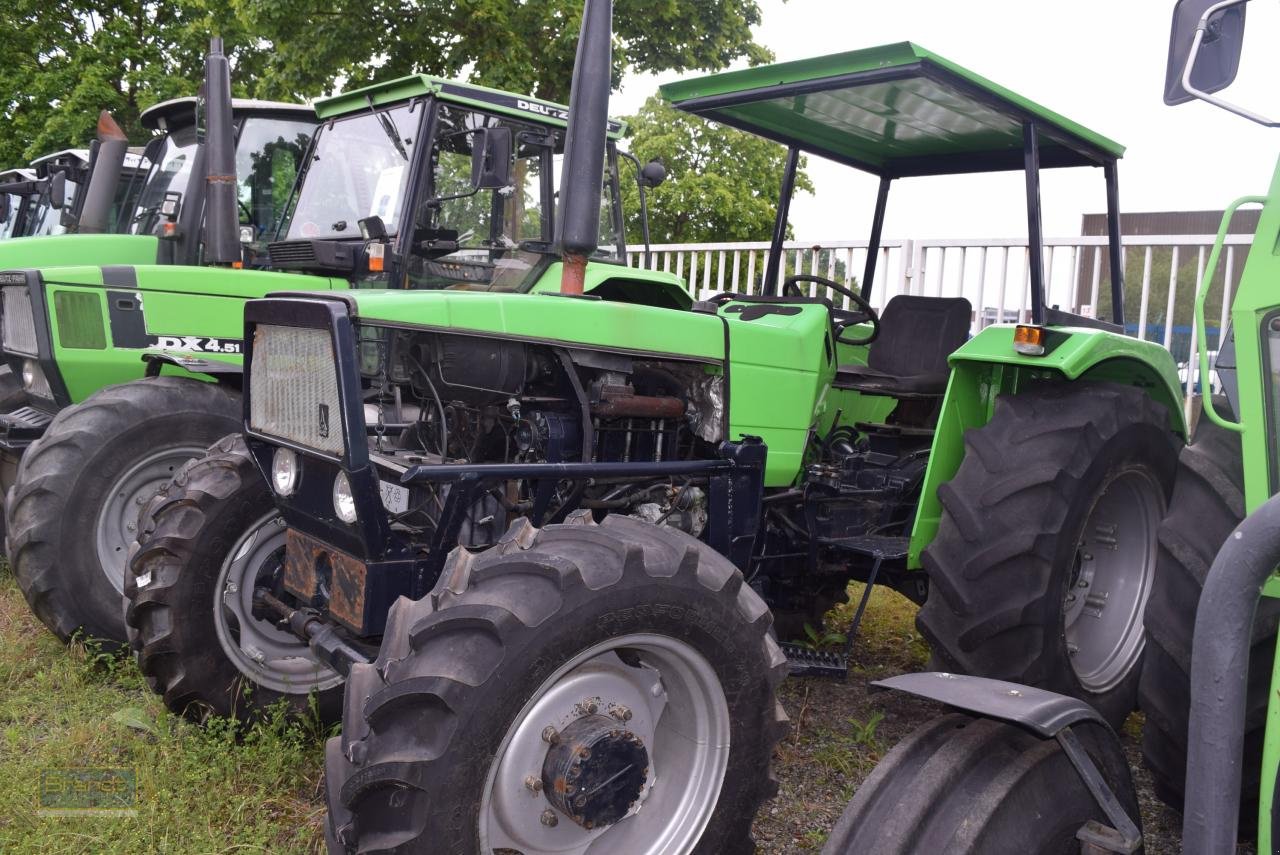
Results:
x,y
206,790
211,790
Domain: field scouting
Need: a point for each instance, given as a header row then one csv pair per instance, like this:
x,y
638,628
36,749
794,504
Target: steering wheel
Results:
x,y
842,319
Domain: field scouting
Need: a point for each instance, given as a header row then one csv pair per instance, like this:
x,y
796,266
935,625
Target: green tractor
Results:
x,y
1029,771
545,535
134,368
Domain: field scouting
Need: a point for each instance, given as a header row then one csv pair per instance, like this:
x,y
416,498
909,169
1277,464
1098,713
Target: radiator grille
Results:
x,y
294,387
17,323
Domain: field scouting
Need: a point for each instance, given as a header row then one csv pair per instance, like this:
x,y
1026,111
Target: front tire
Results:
x,y
1045,553
963,785
207,540
635,643
73,511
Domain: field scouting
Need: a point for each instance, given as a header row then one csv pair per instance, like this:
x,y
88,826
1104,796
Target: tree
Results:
x,y
61,63
722,184
525,47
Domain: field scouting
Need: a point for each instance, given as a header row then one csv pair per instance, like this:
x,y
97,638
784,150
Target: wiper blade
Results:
x,y
389,127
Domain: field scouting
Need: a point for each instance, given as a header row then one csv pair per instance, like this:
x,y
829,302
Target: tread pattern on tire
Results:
x,y
1208,502
170,529
401,711
964,785
989,611
37,527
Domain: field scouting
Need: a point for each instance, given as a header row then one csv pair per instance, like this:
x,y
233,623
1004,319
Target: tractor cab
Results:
x,y
17,186
899,111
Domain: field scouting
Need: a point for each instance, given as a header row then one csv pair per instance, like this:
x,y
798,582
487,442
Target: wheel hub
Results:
x,y
595,771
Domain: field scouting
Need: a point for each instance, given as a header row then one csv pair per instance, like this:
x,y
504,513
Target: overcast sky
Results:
x,y
1099,63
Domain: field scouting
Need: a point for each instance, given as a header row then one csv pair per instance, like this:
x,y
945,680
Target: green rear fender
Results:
x,y
987,367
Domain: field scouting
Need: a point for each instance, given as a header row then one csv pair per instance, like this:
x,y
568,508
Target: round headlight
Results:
x,y
344,504
29,373
284,471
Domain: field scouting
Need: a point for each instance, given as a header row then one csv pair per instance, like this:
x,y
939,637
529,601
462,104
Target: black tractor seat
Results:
x,y
909,358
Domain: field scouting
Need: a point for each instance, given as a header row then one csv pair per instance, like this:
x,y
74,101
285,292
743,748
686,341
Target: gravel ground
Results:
x,y
840,729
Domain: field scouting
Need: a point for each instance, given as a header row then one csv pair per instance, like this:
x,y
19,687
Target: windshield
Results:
x,y
46,219
171,172
490,240
268,155
357,171
15,208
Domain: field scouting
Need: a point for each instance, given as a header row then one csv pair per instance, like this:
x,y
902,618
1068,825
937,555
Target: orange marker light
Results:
x,y
377,252
1028,340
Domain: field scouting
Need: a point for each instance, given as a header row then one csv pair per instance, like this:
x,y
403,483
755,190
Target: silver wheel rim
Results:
x,y
1111,580
672,700
271,658
117,524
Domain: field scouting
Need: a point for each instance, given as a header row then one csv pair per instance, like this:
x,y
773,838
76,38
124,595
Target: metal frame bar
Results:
x,y
1035,230
770,284
873,245
1113,238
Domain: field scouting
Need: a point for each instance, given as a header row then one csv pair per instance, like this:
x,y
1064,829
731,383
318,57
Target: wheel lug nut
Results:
x,y
534,783
549,735
549,818
621,713
590,707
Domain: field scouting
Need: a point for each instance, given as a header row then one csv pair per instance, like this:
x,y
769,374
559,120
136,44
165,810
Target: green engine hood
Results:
x,y
75,250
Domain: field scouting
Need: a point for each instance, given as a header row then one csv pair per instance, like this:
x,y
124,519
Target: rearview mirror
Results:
x,y
653,173
58,190
1218,55
491,159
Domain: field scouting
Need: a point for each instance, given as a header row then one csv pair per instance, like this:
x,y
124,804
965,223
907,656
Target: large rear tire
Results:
x,y
72,513
207,540
632,647
961,785
1045,553
1208,502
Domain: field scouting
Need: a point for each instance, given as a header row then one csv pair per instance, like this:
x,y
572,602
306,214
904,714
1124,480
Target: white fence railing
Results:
x,y
1163,273
993,273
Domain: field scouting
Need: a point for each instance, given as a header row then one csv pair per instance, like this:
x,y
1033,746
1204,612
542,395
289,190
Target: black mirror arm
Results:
x,y
644,208
1201,29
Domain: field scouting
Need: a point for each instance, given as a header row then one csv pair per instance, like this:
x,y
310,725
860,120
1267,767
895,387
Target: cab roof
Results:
x,y
896,110
182,110
73,156
17,174
467,94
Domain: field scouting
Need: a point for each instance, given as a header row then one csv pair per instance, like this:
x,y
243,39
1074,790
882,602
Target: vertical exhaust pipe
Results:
x,y
582,175
113,145
221,212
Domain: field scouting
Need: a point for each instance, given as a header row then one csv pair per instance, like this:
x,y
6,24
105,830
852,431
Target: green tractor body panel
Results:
x,y
76,249
104,321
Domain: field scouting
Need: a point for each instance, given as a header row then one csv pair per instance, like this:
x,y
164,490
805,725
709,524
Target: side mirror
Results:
x,y
58,190
1217,57
652,174
491,159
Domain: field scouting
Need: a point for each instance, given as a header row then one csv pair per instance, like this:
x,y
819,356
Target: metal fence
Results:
x,y
1167,272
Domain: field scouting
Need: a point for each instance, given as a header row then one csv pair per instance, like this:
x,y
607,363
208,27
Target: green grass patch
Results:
x,y
199,789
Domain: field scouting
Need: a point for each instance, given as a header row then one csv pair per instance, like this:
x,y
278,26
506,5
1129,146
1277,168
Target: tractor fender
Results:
x,y
1040,711
221,372
1078,353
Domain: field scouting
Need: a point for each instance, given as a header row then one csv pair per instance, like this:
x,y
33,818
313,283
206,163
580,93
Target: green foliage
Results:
x,y
722,184
60,64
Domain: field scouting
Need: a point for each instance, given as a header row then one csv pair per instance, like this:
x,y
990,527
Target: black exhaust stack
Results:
x,y
221,212
578,223
113,145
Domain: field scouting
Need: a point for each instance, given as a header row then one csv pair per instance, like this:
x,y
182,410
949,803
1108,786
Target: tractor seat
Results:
x,y
909,357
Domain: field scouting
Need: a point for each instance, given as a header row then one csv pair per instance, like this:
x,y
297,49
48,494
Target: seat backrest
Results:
x,y
917,334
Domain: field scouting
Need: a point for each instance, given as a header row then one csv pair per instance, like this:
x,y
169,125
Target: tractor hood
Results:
x,y
77,249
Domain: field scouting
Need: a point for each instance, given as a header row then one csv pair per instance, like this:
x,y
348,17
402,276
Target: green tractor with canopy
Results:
x,y
544,533
1035,771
